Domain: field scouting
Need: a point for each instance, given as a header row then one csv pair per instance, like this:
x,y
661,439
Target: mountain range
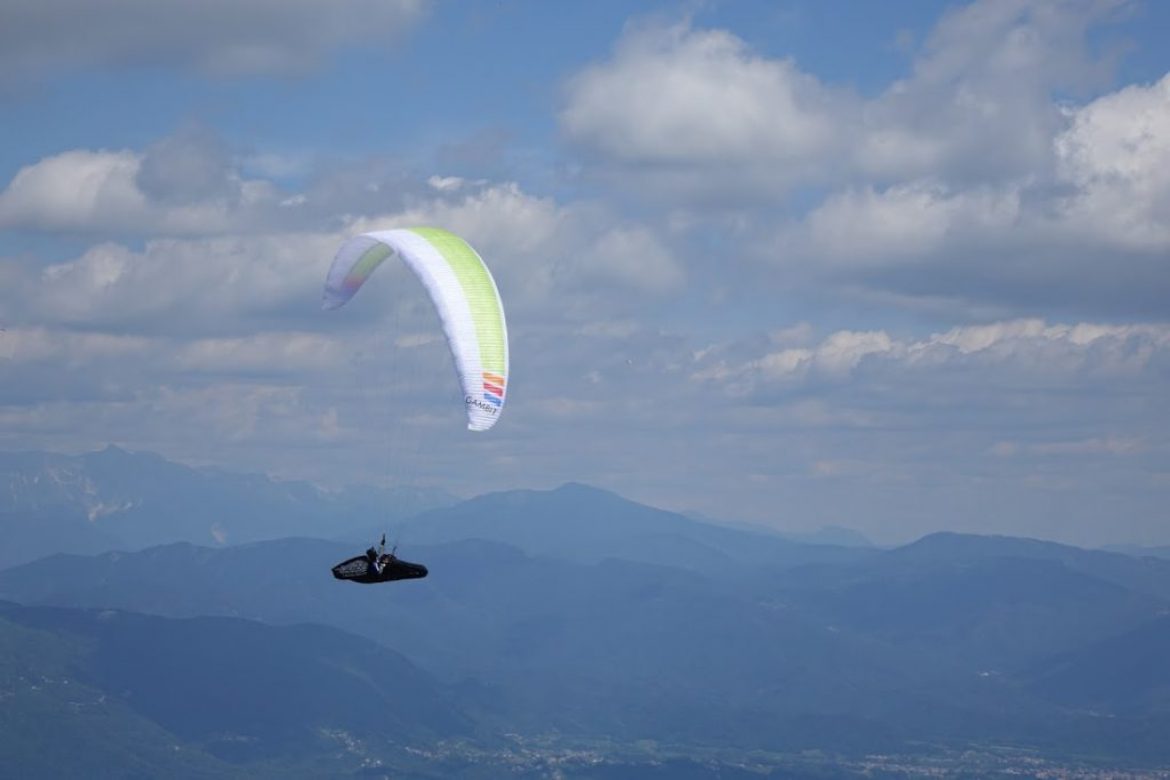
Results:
x,y
574,617
219,690
115,499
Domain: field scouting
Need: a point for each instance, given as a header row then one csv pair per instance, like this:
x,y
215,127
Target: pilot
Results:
x,y
375,561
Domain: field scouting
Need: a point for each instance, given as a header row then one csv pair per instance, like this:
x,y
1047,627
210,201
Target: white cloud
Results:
x,y
675,95
893,417
218,37
272,353
967,181
632,257
1021,350
1116,154
521,236
906,223
1094,234
1090,447
1094,446
82,191
446,183
193,327
977,106
836,356
268,353
42,345
990,426
699,110
575,260
1111,187
73,189
545,253
177,285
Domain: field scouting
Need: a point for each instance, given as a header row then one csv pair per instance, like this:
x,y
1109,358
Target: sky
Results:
x,y
899,266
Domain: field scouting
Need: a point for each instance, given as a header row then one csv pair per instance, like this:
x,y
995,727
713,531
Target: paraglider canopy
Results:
x,y
464,295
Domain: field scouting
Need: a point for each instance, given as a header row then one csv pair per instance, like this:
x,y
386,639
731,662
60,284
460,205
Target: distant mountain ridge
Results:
x,y
215,689
586,524
1148,575
953,638
576,612
1159,551
836,535
113,499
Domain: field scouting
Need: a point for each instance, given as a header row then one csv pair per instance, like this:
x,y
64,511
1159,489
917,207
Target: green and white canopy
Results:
x,y
464,294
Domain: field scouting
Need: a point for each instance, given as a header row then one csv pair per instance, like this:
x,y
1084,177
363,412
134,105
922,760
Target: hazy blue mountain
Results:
x,y
994,614
1121,675
585,524
993,603
577,612
114,499
1139,551
29,535
1113,695
832,535
875,656
561,642
235,690
1144,575
54,723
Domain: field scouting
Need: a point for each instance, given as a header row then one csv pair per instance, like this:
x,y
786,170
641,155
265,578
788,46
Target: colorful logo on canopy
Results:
x,y
493,388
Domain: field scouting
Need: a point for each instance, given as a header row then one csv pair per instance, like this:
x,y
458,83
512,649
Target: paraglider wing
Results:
x,y
464,294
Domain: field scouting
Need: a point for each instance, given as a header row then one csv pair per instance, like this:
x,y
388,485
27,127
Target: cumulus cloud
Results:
x,y
225,284
1116,156
264,353
190,166
1110,184
64,191
1028,351
269,353
857,410
217,37
674,100
1113,446
1094,235
38,344
148,332
90,386
192,325
176,188
632,257
968,180
541,250
217,242
978,105
163,417
676,96
174,285
906,223
193,183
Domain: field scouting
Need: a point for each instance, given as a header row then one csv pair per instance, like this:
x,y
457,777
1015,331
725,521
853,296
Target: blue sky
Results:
x,y
895,266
